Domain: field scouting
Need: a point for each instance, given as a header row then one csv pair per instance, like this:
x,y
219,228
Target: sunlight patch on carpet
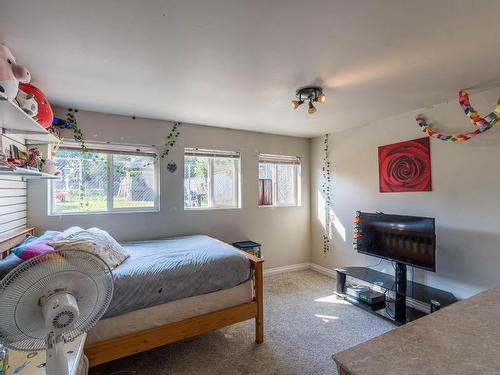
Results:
x,y
332,299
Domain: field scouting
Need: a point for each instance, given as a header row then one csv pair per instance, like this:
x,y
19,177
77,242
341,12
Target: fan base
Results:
x,y
57,361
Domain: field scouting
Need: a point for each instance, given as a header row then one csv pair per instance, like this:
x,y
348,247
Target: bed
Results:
x,y
166,291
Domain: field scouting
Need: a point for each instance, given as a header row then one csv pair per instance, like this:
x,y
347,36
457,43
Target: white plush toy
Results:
x,y
10,74
27,103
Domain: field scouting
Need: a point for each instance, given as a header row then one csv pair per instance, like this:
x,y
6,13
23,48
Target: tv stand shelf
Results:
x,y
416,294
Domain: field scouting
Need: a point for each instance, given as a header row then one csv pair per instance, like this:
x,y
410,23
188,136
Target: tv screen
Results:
x,y
405,239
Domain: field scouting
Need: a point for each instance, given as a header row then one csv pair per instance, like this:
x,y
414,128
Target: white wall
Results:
x,y
12,193
465,197
284,232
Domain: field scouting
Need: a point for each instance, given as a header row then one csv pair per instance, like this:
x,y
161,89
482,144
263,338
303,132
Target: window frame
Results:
x,y
274,161
110,152
211,155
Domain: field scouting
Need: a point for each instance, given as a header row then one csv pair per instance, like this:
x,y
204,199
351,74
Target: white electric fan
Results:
x,y
52,299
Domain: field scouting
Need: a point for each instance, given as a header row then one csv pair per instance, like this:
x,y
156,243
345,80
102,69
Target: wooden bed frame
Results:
x,y
137,342
9,241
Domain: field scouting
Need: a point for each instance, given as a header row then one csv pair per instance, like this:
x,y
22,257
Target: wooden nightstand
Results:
x,y
24,363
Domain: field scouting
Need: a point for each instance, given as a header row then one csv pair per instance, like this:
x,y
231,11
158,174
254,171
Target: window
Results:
x,y
279,180
104,181
211,179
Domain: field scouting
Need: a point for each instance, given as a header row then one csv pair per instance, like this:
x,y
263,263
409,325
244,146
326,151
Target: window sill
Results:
x,y
210,208
284,206
152,211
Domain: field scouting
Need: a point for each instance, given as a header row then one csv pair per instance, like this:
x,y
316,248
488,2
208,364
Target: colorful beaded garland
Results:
x,y
357,230
483,123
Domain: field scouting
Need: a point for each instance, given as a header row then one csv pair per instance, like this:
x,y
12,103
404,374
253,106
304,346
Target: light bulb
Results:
x,y
296,103
322,98
312,108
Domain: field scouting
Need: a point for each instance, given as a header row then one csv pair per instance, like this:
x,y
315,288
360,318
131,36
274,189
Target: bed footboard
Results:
x,y
137,342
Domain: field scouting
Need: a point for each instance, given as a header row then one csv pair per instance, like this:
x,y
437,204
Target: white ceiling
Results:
x,y
237,63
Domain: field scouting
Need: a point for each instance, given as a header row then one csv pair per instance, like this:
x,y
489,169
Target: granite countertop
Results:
x,y
461,339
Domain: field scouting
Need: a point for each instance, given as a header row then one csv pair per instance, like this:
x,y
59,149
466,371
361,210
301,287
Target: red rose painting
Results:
x,y
405,166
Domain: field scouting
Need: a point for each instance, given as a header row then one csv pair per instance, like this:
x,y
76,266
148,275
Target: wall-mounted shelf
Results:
x,y
27,174
14,121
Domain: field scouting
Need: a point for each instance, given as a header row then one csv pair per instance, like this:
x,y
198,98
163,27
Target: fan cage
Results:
x,y
35,274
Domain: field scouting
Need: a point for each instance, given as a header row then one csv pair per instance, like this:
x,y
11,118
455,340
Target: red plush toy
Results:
x,y
45,114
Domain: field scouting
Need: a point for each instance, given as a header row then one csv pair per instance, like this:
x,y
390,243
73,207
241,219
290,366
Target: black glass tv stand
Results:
x,y
405,300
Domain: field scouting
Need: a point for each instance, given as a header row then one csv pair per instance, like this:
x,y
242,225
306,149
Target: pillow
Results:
x,y
95,241
8,263
67,233
34,246
111,244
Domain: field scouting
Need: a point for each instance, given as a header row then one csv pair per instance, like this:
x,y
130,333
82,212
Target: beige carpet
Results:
x,y
304,325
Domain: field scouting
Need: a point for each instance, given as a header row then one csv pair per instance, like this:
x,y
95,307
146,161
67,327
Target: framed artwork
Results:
x,y
405,166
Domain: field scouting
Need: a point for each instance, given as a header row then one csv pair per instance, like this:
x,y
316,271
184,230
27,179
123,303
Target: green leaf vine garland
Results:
x,y
327,194
77,132
171,139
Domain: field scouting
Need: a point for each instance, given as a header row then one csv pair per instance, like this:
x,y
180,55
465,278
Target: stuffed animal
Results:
x,y
10,74
61,124
27,103
34,157
45,114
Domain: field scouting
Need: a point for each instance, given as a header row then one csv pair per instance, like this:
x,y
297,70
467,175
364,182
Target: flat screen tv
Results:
x,y
405,239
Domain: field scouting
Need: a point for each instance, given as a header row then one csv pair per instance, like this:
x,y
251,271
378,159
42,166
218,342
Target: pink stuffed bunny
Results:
x,y
10,74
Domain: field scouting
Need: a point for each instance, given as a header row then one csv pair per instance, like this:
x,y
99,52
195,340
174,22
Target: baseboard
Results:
x,y
300,267
323,270
290,268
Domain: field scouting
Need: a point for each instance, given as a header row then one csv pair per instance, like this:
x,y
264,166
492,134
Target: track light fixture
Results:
x,y
312,108
312,94
296,103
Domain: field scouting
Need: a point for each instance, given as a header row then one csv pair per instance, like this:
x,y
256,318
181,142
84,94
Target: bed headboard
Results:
x,y
11,240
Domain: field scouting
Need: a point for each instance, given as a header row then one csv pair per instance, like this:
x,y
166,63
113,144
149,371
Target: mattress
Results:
x,y
170,312
171,269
